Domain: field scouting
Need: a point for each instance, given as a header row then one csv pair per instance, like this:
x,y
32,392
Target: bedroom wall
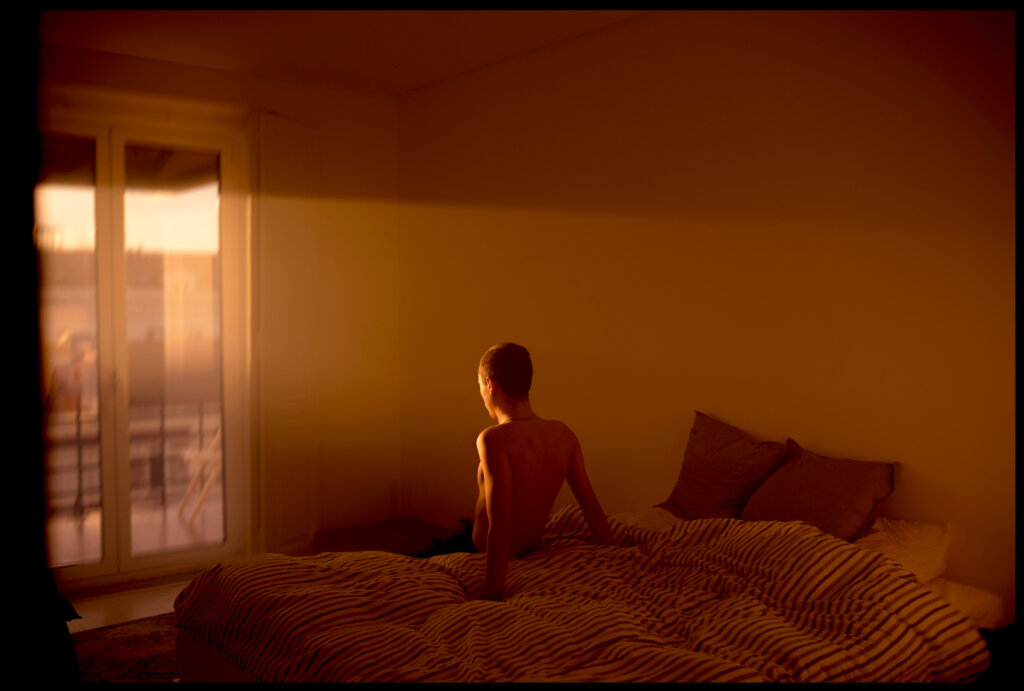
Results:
x,y
800,224
325,290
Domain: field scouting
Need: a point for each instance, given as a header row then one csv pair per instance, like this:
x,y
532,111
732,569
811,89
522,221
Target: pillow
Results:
x,y
983,607
722,466
919,546
837,495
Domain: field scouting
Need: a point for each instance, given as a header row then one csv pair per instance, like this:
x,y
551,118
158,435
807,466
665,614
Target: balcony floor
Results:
x,y
155,529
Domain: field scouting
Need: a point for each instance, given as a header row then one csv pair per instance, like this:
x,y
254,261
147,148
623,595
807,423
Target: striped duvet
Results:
x,y
710,600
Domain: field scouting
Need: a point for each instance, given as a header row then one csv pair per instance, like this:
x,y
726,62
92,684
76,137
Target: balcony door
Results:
x,y
140,230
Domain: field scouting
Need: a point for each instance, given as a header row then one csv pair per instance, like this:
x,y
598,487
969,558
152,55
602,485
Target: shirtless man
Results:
x,y
523,461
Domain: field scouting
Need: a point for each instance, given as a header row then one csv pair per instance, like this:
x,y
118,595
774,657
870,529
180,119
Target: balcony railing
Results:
x,y
158,437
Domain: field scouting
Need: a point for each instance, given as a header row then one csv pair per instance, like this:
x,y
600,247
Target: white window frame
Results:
x,y
114,119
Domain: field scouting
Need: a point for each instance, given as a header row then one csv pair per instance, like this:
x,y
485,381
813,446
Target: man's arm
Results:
x,y
496,475
579,483
480,522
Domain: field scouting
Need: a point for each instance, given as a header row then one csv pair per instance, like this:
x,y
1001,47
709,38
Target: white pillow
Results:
x,y
919,546
983,607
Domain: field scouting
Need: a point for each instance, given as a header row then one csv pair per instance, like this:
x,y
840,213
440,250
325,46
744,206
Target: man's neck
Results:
x,y
515,411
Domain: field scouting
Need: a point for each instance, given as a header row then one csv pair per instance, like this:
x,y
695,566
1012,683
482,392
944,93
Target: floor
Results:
x,y
121,607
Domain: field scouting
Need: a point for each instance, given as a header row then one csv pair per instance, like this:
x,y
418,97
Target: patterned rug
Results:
x,y
136,651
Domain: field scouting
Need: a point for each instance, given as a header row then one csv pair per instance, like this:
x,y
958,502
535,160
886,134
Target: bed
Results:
x,y
677,597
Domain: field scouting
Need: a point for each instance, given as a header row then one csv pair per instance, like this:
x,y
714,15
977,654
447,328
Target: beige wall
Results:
x,y
801,225
328,307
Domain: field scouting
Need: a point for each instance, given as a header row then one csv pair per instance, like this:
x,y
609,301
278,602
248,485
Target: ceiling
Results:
x,y
387,52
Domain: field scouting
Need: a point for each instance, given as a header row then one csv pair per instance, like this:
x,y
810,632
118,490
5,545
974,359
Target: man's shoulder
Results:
x,y
560,428
490,434
558,424
546,427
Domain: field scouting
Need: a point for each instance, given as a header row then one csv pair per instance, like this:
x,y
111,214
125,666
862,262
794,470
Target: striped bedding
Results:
x,y
709,600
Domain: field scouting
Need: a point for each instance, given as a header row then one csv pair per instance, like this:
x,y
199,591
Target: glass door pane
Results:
x,y
172,325
65,237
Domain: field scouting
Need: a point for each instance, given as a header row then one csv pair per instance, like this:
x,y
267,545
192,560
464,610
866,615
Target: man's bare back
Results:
x,y
523,461
539,454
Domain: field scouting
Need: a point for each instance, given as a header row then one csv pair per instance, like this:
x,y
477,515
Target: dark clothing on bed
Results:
x,y
459,542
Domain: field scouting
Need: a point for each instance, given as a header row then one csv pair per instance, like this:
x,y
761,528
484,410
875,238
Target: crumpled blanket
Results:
x,y
710,600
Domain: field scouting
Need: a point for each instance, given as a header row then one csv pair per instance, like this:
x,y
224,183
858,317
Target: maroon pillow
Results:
x,y
837,495
722,466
